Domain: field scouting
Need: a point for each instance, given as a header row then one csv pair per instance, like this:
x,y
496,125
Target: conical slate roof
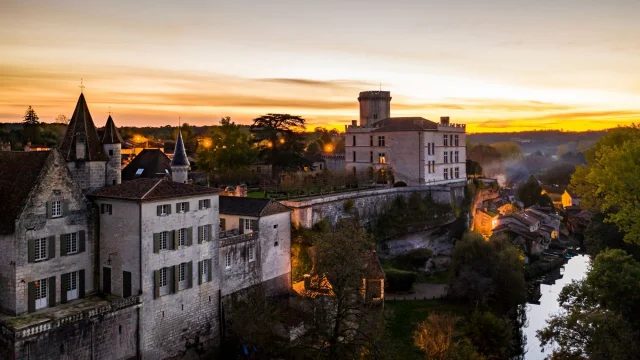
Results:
x,y
111,134
179,154
81,123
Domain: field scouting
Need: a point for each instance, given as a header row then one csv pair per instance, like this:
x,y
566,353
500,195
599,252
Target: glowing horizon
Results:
x,y
496,66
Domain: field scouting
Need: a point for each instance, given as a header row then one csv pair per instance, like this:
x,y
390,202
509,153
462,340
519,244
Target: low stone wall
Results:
x,y
368,203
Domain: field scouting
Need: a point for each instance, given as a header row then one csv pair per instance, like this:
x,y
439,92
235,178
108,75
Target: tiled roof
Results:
x,y
232,205
111,134
405,124
152,189
81,123
153,163
179,154
19,172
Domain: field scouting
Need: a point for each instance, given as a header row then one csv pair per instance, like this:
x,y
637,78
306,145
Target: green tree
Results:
x,y
559,173
473,168
599,314
279,141
529,192
490,335
227,149
508,149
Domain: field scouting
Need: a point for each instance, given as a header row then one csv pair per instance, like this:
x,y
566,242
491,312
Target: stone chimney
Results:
x,y
444,120
354,122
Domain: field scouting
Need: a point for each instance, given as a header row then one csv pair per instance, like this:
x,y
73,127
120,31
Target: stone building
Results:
x,y
92,268
415,150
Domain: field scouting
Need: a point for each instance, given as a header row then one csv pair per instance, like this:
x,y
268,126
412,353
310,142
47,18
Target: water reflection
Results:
x,y
545,301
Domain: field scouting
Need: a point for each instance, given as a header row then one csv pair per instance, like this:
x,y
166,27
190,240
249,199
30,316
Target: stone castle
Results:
x,y
95,268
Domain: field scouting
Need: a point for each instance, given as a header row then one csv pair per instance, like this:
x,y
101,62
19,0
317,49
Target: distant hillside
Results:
x,y
545,141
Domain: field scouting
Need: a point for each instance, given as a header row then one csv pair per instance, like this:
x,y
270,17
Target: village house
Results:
x,y
414,150
537,226
569,198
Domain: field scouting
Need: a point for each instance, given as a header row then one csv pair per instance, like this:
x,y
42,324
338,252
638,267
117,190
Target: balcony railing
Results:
x,y
233,236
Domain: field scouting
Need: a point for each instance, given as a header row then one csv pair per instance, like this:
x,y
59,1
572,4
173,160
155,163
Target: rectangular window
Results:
x,y
163,210
106,209
223,224
451,139
451,156
354,140
72,243
163,240
381,141
164,281
371,156
205,270
457,157
250,254
182,237
457,173
456,139
382,158
182,207
371,140
40,247
446,157
139,171
446,174
248,225
72,285
354,156
56,208
182,272
204,233
227,260
204,204
41,293
446,141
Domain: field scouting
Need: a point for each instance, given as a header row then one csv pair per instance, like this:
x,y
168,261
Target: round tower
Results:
x,y
374,106
180,163
112,144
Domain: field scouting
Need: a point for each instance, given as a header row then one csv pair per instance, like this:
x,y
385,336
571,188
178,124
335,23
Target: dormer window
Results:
x,y
81,146
56,208
139,172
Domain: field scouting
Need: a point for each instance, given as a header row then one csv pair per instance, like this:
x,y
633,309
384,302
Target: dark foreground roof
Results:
x,y
81,123
153,162
110,133
405,124
245,206
152,189
179,153
19,172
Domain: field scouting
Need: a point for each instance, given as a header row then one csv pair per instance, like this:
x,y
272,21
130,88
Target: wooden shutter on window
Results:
x,y
168,209
209,269
48,215
110,209
52,291
187,204
242,225
101,208
63,245
223,224
159,210
31,256
65,207
156,242
31,300
254,225
200,234
82,241
81,283
51,243
156,283
200,272
175,283
189,274
189,236
209,232
177,207
175,238
64,278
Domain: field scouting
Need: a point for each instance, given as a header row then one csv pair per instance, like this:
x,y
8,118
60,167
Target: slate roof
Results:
x,y
81,123
152,189
153,161
179,154
19,173
405,124
111,134
232,205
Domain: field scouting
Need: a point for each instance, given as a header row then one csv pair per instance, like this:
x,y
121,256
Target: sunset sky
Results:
x,y
496,65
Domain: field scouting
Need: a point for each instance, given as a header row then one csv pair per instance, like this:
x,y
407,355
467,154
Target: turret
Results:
x,y
112,144
180,164
374,106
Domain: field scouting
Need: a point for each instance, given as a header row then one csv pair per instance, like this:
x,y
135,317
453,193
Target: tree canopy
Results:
x,y
30,117
227,148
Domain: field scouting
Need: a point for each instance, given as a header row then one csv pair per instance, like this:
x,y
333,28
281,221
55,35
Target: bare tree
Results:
x,y
61,119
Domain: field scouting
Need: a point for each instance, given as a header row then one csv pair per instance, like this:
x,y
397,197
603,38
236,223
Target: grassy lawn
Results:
x,y
440,277
256,194
407,314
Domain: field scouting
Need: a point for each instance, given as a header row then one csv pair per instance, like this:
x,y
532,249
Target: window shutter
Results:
x,y
48,217
156,243
174,236
81,283
209,232
174,284
111,209
189,236
208,203
159,210
51,251
223,224
254,225
200,272
32,251
52,291
190,274
200,234
31,296
187,208
101,208
177,208
210,270
242,226
63,288
82,243
156,283
65,207
169,210
63,245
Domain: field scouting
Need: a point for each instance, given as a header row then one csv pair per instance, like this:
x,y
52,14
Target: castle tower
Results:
x,y
180,163
82,149
374,106
112,144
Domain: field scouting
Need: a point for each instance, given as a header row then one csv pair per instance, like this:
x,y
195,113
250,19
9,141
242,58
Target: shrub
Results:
x,y
400,280
348,205
412,260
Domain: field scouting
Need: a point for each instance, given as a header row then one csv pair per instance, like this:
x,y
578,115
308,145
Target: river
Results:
x,y
575,269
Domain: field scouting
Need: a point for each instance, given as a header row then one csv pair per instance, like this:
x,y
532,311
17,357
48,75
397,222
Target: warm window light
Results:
x,y
269,144
281,141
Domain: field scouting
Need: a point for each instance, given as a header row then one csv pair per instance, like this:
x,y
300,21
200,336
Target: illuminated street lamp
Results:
x,y
328,148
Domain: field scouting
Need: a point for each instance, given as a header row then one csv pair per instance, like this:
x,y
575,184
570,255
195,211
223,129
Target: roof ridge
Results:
x,y
150,190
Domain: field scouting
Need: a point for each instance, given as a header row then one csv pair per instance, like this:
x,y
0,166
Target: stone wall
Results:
x,y
113,167
88,174
368,203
